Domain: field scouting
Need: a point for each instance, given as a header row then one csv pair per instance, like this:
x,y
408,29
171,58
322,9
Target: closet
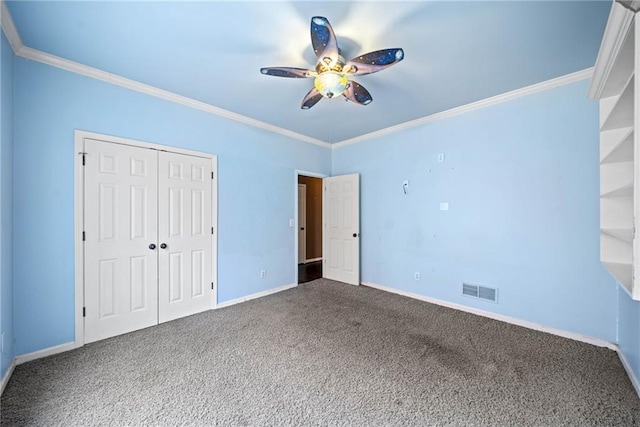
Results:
x,y
148,241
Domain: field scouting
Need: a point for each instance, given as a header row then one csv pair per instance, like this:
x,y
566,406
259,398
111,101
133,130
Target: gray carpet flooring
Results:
x,y
329,354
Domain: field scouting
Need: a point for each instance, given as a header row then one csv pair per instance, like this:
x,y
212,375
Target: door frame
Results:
x,y
297,173
304,250
78,200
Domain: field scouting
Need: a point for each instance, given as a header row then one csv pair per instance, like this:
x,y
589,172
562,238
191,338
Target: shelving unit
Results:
x,y
615,86
624,234
621,113
618,147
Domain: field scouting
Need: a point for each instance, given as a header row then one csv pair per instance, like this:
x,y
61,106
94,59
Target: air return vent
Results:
x,y
480,292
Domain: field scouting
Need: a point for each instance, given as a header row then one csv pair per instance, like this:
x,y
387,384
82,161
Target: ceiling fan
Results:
x,y
332,73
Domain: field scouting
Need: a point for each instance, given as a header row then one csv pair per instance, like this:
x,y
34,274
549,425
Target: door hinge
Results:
x,y
211,230
84,159
211,285
84,311
84,236
211,175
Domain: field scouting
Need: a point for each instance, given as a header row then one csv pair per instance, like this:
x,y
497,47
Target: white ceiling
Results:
x,y
455,52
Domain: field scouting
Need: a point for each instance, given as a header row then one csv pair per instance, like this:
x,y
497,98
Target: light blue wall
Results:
x,y
629,330
521,180
6,196
255,190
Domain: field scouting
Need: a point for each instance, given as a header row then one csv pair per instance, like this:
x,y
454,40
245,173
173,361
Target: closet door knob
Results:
x,y
152,246
163,246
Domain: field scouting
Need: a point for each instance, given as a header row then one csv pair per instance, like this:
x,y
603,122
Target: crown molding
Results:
x,y
10,29
618,26
487,102
55,61
75,67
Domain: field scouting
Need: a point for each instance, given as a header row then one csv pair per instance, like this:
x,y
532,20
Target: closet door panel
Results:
x,y
120,225
185,235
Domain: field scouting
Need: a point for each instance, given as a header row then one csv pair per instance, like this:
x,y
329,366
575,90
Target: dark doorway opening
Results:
x,y
309,228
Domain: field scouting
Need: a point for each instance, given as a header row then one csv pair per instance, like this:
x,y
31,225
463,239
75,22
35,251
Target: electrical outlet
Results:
x,y
263,274
416,275
440,157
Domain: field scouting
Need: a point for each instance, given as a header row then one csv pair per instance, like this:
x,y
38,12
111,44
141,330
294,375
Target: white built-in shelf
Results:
x,y
621,114
613,249
618,146
614,85
622,272
616,212
622,68
624,234
625,191
616,179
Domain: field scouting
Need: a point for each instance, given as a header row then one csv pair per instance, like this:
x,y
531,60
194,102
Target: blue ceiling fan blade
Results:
x,y
311,99
356,93
324,41
288,72
373,62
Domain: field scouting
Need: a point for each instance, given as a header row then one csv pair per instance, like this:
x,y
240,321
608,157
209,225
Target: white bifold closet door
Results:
x,y
121,271
184,219
148,238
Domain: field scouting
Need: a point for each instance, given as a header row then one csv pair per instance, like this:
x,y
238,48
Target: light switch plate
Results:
x,y
444,206
291,223
440,157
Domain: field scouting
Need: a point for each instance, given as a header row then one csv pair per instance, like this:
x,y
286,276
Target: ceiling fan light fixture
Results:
x,y
332,75
331,84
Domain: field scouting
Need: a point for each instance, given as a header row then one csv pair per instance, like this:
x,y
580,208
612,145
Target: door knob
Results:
x,y
302,228
355,234
163,246
152,246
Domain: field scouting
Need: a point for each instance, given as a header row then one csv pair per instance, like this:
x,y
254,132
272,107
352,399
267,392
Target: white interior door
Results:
x,y
341,237
120,225
302,223
185,235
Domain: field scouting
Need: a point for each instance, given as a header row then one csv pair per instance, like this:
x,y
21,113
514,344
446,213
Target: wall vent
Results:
x,y
480,292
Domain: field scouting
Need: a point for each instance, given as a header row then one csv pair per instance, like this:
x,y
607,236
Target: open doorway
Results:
x,y
309,233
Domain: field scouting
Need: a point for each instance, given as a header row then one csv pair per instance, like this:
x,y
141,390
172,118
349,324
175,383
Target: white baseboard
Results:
x,y
627,367
7,375
313,260
18,360
254,296
508,319
72,345
44,353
